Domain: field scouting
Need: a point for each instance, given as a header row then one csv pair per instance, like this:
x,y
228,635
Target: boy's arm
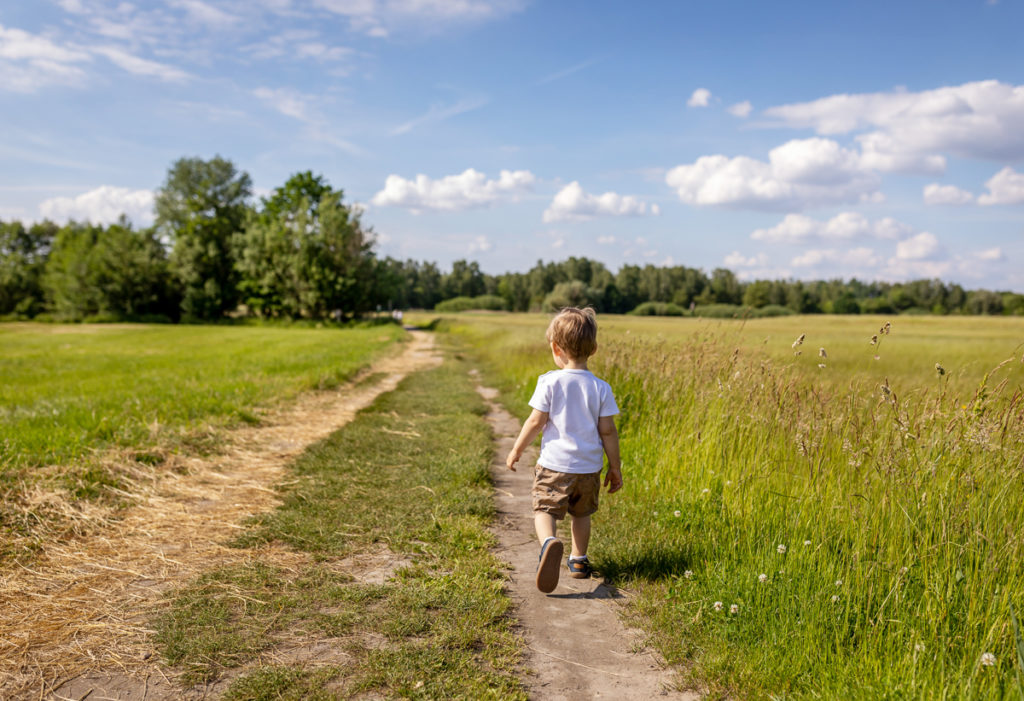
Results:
x,y
533,425
610,441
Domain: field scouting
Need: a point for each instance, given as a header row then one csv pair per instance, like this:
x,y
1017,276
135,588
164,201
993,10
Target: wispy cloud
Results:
x,y
439,113
142,66
566,72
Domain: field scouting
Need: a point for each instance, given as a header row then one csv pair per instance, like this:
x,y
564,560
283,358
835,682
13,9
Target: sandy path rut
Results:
x,y
73,624
577,647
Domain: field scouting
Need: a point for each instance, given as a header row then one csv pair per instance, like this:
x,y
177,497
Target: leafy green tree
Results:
x,y
199,209
465,280
307,254
114,271
23,254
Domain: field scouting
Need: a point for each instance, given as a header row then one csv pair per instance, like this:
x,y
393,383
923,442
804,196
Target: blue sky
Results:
x,y
792,139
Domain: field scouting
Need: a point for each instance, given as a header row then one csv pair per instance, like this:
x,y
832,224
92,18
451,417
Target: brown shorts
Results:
x,y
558,492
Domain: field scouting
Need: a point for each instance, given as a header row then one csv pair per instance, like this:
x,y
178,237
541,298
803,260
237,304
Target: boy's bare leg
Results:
x,y
580,535
545,524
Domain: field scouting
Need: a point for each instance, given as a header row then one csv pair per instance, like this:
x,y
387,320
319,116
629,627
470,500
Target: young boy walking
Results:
x,y
575,411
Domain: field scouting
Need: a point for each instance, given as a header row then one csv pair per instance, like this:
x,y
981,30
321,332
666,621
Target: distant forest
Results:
x,y
301,253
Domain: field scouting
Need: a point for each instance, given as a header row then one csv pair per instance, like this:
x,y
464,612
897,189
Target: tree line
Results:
x,y
301,252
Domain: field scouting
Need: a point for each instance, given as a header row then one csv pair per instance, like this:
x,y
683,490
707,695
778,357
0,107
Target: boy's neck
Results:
x,y
571,364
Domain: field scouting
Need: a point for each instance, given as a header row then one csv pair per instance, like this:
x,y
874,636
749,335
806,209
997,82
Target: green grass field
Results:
x,y
69,391
864,518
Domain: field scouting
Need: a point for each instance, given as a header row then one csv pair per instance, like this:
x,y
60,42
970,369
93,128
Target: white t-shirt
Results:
x,y
573,401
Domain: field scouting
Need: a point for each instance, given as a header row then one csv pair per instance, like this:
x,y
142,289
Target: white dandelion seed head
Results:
x,y
718,606
988,659
762,578
734,609
807,543
688,574
781,549
677,513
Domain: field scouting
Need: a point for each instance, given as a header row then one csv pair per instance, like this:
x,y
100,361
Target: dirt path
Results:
x,y
577,648
73,625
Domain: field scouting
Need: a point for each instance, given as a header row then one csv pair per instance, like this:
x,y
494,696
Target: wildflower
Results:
x,y
822,353
939,369
762,578
874,340
688,574
807,543
734,609
677,513
839,582
718,606
988,660
918,647
835,598
781,549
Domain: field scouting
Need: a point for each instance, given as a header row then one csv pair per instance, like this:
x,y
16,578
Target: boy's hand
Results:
x,y
511,460
613,479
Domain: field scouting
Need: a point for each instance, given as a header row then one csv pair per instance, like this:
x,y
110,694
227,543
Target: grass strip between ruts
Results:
x,y
408,477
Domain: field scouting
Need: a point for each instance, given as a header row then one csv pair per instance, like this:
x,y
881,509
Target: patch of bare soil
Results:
x,y
73,623
576,644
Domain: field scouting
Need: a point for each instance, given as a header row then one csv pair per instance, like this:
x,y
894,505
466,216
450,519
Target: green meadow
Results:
x,y
70,391
799,525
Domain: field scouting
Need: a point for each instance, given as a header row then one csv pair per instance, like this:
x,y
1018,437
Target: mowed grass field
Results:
x,y
850,531
67,392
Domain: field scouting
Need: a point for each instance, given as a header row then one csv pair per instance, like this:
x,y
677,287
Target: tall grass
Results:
x,y
865,518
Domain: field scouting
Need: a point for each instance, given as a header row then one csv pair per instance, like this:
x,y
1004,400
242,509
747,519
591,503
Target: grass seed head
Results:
x,y
874,339
799,340
939,369
822,353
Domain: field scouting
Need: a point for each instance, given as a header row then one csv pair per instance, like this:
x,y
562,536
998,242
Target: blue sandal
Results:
x,y
580,569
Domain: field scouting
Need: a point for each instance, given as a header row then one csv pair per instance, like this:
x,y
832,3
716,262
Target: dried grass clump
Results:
x,y
78,609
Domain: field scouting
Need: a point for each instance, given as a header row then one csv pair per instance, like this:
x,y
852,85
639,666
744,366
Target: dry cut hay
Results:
x,y
79,609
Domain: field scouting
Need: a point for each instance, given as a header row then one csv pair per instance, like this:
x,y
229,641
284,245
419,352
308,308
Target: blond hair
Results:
x,y
575,332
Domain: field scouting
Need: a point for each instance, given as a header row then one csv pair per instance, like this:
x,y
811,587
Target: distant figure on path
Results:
x,y
575,410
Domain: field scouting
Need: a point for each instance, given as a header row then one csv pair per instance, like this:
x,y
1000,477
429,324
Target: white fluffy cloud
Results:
x,y
797,228
800,173
923,246
700,97
480,244
738,260
861,257
467,190
1005,187
573,203
104,205
909,131
946,194
740,109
